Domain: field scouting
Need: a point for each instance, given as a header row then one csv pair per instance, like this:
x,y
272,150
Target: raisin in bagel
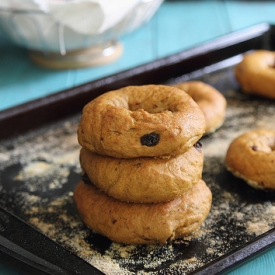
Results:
x,y
142,223
144,179
137,121
211,102
256,73
251,157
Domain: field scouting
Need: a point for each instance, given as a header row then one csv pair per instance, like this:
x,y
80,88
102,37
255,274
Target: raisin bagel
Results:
x,y
138,121
144,179
142,223
251,157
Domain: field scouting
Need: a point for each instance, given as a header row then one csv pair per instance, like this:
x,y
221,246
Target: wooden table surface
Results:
x,y
177,25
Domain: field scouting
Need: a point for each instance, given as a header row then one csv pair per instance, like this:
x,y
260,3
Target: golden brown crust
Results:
x,y
114,123
251,156
211,102
144,179
143,223
256,73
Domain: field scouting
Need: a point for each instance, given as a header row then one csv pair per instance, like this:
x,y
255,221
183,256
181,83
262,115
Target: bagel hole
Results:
x,y
150,107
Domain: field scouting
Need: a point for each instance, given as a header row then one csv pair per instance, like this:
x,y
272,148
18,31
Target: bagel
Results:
x,y
141,121
251,157
211,102
142,223
256,73
144,179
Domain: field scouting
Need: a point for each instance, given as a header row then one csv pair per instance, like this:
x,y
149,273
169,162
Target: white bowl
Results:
x,y
63,43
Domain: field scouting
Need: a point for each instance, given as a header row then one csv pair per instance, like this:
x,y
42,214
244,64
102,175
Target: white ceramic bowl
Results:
x,y
62,44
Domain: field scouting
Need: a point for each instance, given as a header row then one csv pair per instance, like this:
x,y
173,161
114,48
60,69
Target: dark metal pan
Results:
x,y
40,230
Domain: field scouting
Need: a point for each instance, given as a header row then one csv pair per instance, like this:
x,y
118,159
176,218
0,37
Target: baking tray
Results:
x,y
40,230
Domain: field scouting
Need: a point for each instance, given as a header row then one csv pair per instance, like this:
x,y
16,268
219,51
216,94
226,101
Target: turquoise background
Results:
x,y
178,25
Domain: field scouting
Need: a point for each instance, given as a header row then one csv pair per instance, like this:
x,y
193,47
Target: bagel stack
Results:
x,y
142,165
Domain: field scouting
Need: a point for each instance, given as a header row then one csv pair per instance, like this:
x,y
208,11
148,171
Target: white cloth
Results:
x,y
83,16
66,25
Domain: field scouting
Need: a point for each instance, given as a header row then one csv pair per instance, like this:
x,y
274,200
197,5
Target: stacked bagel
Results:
x,y
142,165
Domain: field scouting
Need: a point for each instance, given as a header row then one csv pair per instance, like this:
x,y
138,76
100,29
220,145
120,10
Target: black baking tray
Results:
x,y
27,248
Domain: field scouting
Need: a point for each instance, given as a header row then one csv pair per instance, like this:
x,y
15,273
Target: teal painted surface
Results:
x,y
263,264
245,13
185,24
177,25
